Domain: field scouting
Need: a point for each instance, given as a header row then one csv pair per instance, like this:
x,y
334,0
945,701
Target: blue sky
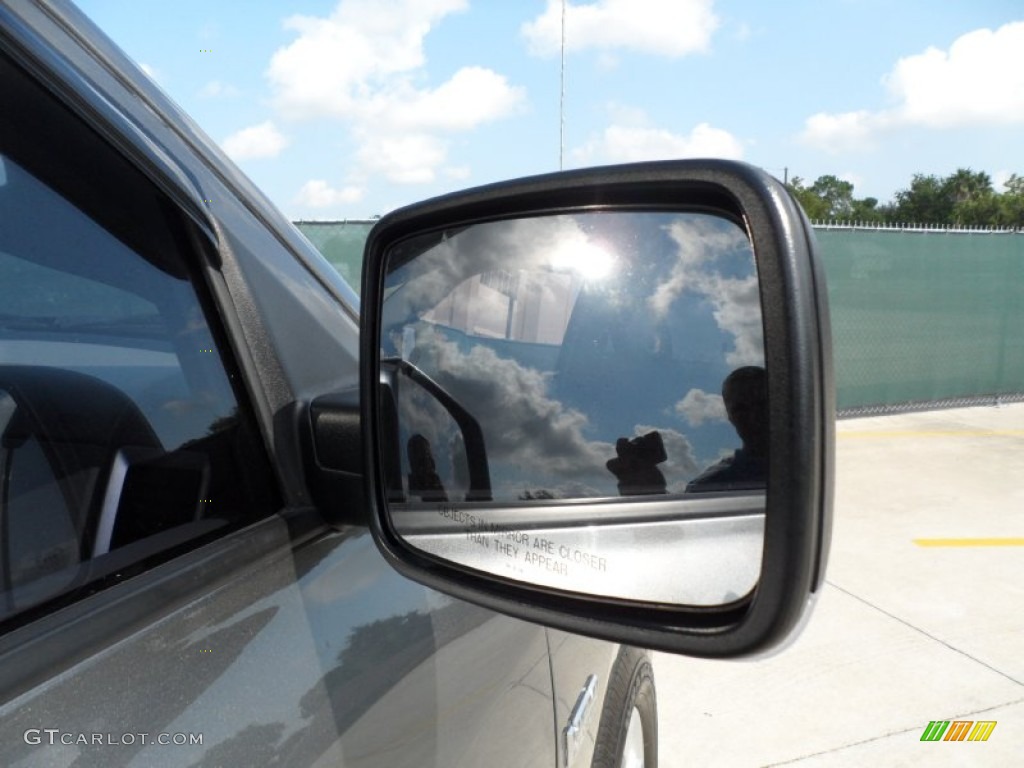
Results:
x,y
350,109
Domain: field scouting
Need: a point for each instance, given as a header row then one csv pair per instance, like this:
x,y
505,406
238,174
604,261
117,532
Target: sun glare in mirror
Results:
x,y
589,261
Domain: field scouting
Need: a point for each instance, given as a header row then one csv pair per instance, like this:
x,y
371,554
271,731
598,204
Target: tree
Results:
x,y
926,201
867,210
980,211
837,195
965,198
828,198
1011,203
1014,185
966,185
974,201
812,204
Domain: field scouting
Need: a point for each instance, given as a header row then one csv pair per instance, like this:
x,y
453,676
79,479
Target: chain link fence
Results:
x,y
924,318
341,243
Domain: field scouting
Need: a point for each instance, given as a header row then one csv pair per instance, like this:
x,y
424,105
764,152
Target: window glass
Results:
x,y
121,437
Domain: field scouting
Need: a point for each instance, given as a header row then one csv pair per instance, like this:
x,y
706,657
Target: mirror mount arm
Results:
x,y
472,434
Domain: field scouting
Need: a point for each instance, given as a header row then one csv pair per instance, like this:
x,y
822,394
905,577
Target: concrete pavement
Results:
x,y
905,632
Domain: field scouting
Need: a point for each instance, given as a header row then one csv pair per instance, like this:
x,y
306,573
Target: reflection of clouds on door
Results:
x,y
701,242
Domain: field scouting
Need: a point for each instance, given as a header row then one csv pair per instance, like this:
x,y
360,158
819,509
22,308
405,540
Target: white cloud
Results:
x,y
317,193
527,431
256,141
365,64
630,143
533,440
738,312
216,89
843,132
978,81
404,159
472,96
336,62
661,27
698,406
736,300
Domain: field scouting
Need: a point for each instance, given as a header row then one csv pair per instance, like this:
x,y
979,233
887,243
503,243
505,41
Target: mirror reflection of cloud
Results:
x,y
534,442
698,406
702,243
523,424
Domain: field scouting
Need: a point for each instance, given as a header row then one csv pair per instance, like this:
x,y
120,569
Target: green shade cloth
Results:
x,y
341,243
925,316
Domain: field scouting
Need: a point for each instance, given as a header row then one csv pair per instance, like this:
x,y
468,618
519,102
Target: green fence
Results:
x,y
341,243
925,316
918,317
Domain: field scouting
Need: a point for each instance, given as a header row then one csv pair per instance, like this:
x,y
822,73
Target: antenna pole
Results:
x,y
561,100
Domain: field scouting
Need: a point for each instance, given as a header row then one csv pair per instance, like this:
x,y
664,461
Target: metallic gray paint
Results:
x,y
307,650
302,656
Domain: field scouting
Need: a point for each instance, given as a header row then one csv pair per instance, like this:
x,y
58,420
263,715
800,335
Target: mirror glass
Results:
x,y
579,401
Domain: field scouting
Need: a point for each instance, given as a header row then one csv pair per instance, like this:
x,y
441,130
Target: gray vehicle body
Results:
x,y
290,641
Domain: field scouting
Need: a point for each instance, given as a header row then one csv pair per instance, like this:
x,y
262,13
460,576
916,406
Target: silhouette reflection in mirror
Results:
x,y
636,464
424,481
745,394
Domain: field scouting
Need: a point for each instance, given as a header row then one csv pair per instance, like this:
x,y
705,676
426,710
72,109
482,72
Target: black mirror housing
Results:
x,y
797,358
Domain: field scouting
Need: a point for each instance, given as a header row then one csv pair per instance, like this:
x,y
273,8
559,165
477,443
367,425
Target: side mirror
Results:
x,y
602,400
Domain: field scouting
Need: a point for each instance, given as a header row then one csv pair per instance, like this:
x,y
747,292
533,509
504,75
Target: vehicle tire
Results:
x,y
627,736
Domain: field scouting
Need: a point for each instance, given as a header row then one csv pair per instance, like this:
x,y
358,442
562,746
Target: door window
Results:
x,y
122,439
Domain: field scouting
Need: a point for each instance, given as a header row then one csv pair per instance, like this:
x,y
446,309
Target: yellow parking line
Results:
x,y
934,433
1008,541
